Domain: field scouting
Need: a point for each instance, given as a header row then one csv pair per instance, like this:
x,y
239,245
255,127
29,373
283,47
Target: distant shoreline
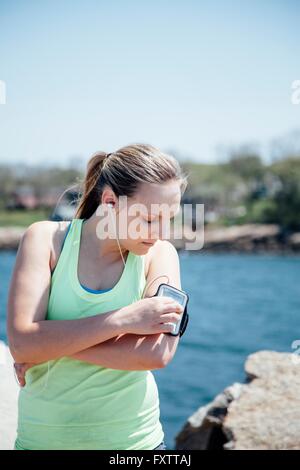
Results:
x,y
248,238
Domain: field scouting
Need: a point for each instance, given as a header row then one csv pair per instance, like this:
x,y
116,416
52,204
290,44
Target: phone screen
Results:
x,y
181,298
169,292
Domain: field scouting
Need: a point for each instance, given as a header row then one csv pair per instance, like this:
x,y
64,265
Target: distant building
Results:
x,y
57,198
50,197
22,198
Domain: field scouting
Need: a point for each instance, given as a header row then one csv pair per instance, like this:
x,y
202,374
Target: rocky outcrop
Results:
x,y
239,238
8,399
249,238
10,237
261,414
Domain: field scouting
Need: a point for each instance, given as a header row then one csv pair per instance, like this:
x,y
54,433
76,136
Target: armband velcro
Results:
x,y
184,322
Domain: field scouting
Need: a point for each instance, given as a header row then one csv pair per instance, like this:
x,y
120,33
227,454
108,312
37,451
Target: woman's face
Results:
x,y
145,217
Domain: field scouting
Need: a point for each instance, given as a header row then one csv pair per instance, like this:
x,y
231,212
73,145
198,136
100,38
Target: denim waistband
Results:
x,y
161,446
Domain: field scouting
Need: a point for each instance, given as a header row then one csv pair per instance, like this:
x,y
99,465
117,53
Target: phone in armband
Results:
x,y
182,298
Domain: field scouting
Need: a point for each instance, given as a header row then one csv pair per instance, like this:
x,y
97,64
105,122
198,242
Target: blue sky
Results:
x,y
186,76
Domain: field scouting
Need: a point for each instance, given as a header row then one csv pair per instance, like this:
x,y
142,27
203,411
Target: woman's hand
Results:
x,y
150,315
21,368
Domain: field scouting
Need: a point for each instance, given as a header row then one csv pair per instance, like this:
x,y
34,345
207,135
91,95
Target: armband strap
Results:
x,y
184,322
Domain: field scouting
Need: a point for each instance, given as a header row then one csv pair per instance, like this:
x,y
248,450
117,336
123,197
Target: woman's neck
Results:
x,y
100,246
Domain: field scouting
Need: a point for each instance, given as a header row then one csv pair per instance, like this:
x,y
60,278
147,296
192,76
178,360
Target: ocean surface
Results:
x,y
239,303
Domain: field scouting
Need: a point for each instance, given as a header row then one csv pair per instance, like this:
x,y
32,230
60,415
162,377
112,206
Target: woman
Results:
x,y
88,376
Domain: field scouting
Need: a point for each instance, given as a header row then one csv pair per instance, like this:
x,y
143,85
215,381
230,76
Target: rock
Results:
x,y
247,238
9,398
253,238
267,414
203,431
294,240
262,413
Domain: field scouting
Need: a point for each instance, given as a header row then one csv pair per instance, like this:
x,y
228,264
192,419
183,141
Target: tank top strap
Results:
x,y
131,278
66,250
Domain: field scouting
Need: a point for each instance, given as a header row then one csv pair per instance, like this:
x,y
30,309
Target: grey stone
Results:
x,y
262,413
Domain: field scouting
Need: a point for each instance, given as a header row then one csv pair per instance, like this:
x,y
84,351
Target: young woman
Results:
x,y
83,334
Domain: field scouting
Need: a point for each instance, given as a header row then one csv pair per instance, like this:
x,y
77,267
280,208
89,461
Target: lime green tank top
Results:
x,y
83,405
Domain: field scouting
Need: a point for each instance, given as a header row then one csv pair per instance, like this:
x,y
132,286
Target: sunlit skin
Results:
x,y
150,218
107,250
104,253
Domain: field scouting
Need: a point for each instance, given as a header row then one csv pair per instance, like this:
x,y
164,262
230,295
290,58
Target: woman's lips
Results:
x,y
148,243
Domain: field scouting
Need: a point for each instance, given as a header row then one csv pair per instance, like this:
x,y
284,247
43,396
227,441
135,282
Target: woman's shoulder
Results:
x,y
52,234
160,247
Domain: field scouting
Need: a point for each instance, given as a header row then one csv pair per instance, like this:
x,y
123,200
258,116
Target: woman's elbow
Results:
x,y
159,360
16,352
17,347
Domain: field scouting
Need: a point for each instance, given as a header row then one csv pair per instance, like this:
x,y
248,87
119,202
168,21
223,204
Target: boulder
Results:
x,y
9,399
263,413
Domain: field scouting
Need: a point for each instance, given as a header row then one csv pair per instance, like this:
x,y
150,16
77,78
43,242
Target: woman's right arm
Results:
x,y
33,339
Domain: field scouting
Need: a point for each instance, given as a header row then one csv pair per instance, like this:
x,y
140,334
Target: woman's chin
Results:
x,y
142,248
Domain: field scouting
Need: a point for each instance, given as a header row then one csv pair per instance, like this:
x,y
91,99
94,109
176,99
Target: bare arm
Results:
x,y
124,352
130,352
31,337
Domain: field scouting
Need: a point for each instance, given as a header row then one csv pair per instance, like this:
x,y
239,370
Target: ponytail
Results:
x,y
123,172
90,197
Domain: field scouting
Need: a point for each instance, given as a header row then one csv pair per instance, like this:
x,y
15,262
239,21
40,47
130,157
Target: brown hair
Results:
x,y
123,171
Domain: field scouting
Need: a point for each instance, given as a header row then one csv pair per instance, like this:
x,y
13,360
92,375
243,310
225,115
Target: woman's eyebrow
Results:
x,y
160,214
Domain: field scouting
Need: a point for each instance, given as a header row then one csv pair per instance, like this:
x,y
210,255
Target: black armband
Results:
x,y
184,322
175,293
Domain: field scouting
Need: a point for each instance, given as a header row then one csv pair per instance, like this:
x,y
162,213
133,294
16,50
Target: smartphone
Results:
x,y
180,296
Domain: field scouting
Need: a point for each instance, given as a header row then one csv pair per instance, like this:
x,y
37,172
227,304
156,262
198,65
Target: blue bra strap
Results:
x,y
95,291
66,234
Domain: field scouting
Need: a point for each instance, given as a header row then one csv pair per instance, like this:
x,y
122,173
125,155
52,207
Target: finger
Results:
x,y
18,370
21,380
173,317
22,372
172,307
166,328
168,300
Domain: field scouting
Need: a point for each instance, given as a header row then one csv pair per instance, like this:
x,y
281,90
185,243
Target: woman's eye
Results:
x,y
149,221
